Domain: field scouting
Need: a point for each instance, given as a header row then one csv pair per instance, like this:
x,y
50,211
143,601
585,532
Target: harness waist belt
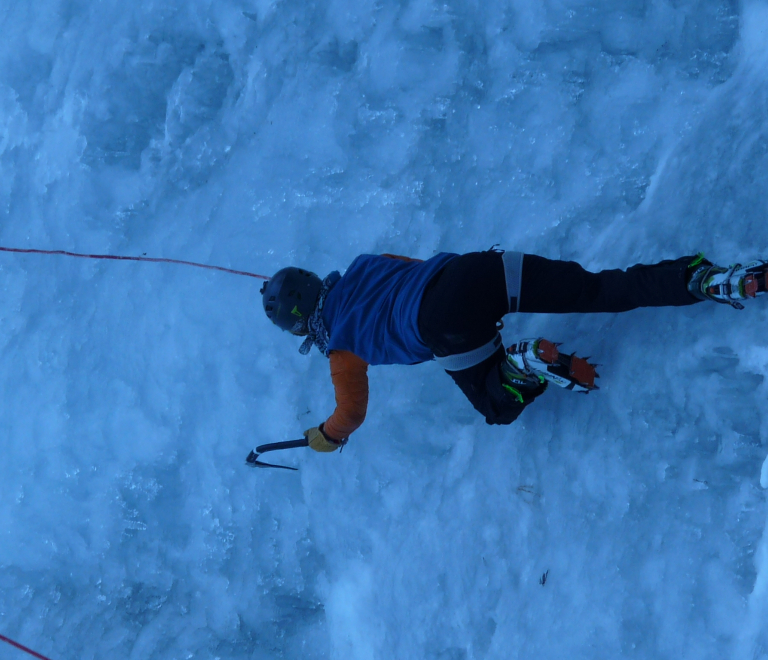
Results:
x,y
462,361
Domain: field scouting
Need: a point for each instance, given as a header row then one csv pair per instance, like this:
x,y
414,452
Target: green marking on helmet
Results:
x,y
295,311
513,391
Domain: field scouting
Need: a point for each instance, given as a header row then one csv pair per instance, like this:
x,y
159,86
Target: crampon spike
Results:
x,y
582,371
547,351
543,358
750,286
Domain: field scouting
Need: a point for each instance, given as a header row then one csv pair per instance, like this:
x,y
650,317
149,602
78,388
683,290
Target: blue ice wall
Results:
x,y
257,134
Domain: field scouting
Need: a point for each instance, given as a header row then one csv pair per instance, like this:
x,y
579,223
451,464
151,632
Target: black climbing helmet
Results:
x,y
289,298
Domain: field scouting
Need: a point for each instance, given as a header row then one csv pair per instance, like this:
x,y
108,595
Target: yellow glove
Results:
x,y
319,441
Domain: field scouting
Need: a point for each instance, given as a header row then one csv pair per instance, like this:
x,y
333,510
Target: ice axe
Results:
x,y
253,457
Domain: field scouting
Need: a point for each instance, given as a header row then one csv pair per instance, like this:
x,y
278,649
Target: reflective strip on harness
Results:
x,y
513,274
469,359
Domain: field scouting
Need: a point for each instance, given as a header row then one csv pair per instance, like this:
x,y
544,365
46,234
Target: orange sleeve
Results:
x,y
349,374
397,256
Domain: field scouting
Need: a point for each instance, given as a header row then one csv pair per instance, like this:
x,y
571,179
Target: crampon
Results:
x,y
729,285
543,359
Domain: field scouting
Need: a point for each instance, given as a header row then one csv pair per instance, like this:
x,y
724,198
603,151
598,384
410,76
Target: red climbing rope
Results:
x,y
119,258
3,638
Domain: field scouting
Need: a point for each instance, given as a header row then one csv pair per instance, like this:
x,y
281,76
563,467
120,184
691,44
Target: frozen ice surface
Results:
x,y
255,134
764,474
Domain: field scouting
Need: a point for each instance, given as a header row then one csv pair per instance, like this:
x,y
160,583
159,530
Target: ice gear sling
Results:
x,y
317,333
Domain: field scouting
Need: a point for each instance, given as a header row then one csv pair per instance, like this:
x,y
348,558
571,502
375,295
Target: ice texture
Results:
x,y
254,134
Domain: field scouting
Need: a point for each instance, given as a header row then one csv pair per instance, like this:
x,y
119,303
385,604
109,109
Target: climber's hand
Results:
x,y
319,441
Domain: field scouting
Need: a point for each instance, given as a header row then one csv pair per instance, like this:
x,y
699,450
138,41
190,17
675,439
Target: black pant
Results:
x,y
464,301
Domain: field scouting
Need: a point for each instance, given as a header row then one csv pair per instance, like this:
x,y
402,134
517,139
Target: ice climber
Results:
x,y
387,309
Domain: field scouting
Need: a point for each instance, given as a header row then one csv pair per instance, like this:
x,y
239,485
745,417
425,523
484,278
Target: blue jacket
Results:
x,y
373,310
